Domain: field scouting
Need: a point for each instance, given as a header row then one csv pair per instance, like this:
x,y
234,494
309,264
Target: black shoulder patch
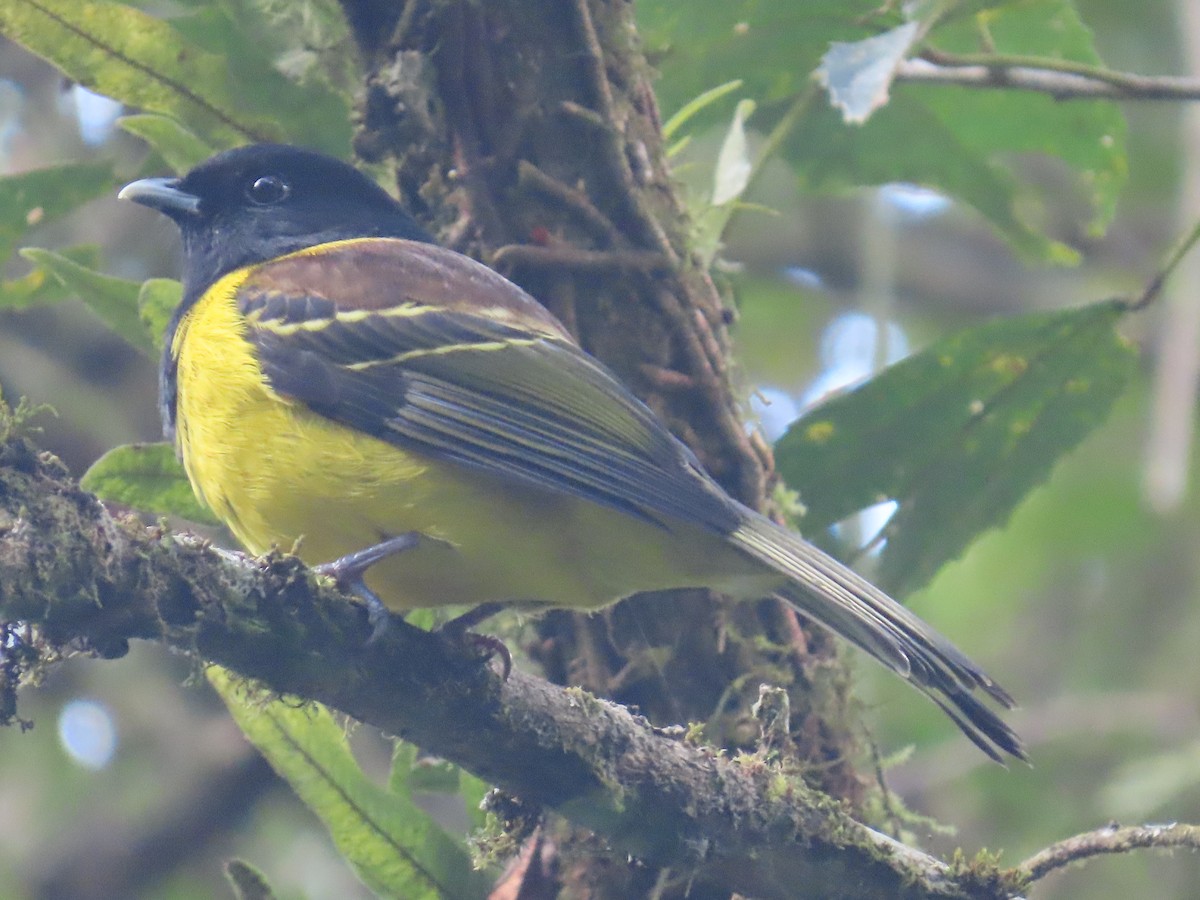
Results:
x,y
284,309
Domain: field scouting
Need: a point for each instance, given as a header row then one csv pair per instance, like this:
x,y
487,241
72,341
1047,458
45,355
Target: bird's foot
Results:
x,y
488,646
348,573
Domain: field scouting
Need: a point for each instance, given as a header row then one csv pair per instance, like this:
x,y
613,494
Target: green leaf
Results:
x,y
247,882
156,303
951,139
38,287
1088,135
147,477
258,41
179,148
695,105
411,773
114,300
958,434
36,198
734,165
140,60
395,847
771,45
904,141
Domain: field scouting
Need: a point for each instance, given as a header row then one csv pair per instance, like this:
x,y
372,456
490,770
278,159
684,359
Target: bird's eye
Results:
x,y
267,190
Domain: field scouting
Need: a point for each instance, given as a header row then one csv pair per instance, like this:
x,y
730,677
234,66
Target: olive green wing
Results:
x,y
472,384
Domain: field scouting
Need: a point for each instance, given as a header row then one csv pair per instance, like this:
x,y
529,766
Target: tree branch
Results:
x,y
85,578
1110,839
1062,82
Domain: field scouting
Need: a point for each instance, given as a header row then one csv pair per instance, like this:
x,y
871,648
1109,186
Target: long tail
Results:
x,y
828,592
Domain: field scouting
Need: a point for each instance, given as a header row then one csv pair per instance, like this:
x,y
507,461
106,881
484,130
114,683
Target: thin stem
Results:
x,y
1110,839
1155,285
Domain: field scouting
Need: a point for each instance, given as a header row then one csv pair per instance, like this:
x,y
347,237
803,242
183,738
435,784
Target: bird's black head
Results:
x,y
255,203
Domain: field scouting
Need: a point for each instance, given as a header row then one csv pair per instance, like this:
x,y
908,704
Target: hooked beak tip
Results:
x,y
162,194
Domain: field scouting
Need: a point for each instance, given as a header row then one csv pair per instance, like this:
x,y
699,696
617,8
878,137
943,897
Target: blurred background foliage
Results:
x,y
1086,602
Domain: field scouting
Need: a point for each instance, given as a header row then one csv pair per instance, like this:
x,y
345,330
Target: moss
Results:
x,y
508,823
981,876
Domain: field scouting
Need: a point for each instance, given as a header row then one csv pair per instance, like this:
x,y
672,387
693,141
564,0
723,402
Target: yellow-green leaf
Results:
x,y
247,882
38,286
395,847
41,196
146,477
179,148
114,300
156,304
138,59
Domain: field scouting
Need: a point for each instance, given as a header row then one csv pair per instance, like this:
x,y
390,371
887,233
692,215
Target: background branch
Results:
x,y
1110,839
1061,83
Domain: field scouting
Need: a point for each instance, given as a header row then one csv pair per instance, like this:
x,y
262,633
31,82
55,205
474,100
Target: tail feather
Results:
x,y
849,605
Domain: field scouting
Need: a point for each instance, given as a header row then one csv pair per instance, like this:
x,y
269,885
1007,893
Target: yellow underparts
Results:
x,y
277,473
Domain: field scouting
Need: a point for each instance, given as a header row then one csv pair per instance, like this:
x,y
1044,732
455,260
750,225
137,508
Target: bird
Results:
x,y
334,379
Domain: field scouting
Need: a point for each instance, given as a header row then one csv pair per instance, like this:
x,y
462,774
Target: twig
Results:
x,y
1063,82
1110,839
1000,61
594,61
573,201
1176,254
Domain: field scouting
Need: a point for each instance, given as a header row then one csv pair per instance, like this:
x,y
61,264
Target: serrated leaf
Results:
x,y
156,304
179,148
147,477
35,198
114,300
958,434
858,75
38,287
140,60
395,847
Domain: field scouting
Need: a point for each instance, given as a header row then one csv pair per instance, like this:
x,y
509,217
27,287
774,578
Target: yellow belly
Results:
x,y
278,474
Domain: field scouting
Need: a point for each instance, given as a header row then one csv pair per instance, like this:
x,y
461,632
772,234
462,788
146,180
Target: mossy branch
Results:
x,y
85,578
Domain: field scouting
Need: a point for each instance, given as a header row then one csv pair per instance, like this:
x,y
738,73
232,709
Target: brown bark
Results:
x,y
526,133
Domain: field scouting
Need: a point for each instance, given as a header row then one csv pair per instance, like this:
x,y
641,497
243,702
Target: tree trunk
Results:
x,y
526,133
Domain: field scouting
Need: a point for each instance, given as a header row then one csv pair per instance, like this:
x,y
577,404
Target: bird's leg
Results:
x,y
457,629
472,617
348,573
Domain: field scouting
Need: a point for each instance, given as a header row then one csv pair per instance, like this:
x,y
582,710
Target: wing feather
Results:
x,y
520,405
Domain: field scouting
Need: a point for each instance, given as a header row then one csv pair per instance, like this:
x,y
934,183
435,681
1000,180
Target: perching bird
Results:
x,y
332,375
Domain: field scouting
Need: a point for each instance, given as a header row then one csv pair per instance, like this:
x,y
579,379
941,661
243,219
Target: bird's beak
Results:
x,y
162,194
